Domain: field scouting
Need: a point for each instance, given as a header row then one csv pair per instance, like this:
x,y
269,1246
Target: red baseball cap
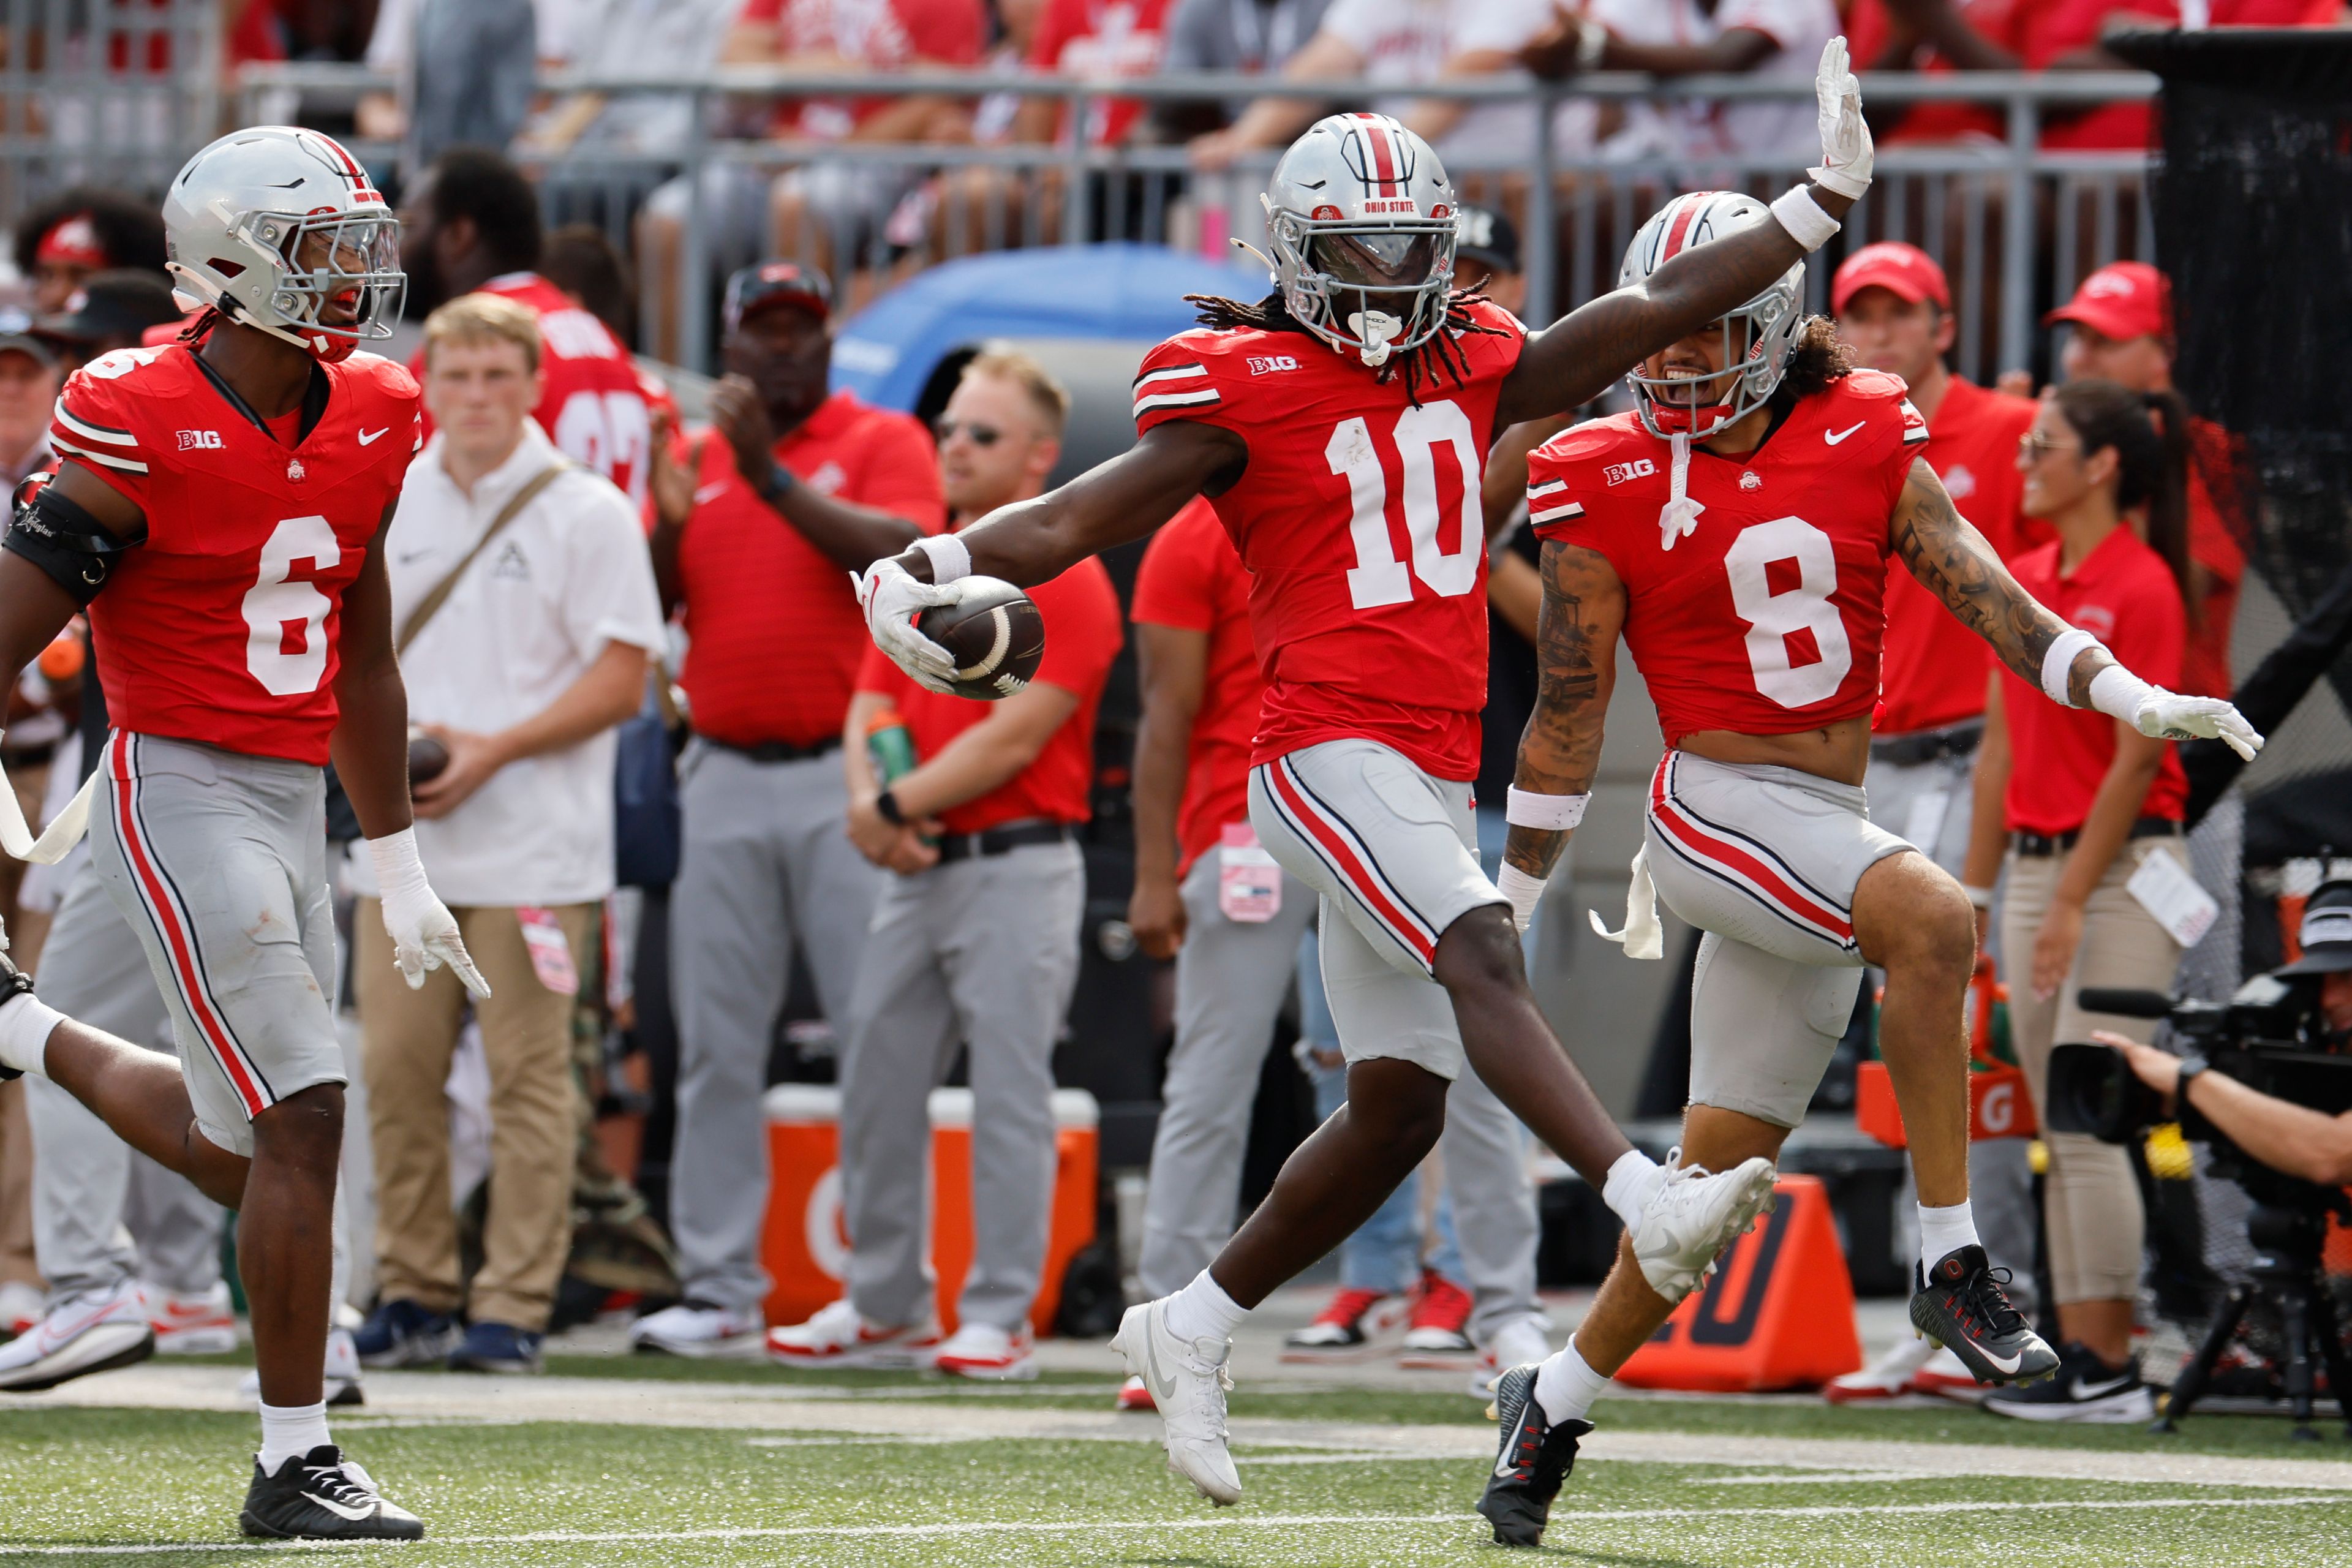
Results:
x,y
1907,270
2123,299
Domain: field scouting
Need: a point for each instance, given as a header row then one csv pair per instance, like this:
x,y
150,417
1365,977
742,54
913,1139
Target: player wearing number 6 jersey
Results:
x,y
1735,530
1341,428
220,510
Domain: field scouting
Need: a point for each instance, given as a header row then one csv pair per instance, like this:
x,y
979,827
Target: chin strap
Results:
x,y
1679,516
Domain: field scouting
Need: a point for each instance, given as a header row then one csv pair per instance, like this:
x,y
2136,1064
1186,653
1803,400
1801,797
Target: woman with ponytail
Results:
x,y
2070,804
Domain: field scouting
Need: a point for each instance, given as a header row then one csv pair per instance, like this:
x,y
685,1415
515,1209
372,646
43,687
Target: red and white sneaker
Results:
x,y
1345,1329
1439,1334
1948,1375
1520,1342
1135,1394
984,1350
20,1306
838,1337
96,1332
191,1325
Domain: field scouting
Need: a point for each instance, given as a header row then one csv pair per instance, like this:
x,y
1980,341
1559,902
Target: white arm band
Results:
x,y
1554,812
1982,897
1523,891
1802,216
950,559
2058,663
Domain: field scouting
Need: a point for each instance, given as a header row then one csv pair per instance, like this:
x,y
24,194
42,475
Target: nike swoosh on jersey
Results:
x,y
344,1509
368,437
1834,436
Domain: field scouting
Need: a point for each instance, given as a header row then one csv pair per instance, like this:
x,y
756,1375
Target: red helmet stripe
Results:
x,y
1681,227
1384,158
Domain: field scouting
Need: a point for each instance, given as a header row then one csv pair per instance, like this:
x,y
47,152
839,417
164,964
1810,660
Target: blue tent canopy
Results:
x,y
1132,292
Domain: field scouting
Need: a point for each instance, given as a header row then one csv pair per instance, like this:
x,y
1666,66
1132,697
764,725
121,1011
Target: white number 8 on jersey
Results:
x,y
1771,618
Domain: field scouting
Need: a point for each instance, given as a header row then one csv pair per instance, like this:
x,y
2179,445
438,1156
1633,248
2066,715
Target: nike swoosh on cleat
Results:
x,y
342,1510
1160,1382
2083,1391
368,437
1834,436
2007,1368
1505,1469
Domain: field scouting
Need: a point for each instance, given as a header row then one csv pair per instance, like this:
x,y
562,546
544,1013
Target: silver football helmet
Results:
x,y
1697,406
1360,215
279,228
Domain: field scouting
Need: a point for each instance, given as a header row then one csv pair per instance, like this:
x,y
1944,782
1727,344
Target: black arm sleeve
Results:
x,y
61,537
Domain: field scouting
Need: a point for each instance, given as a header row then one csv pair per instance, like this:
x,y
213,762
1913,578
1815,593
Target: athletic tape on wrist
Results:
x,y
1802,216
2058,663
2118,693
1552,813
1521,890
397,864
950,560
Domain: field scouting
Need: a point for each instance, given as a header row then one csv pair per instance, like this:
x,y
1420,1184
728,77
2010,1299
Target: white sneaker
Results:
x,y
201,1324
699,1329
340,1376
81,1335
1693,1216
840,1336
1520,1342
1890,1376
20,1306
1188,1381
985,1351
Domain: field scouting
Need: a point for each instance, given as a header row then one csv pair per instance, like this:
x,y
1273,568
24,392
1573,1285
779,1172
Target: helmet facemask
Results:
x,y
1368,288
319,263
1757,339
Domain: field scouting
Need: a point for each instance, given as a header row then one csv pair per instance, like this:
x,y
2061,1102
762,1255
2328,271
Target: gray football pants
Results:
x,y
983,953
92,1194
767,859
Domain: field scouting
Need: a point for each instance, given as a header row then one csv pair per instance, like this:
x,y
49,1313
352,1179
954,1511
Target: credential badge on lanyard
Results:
x,y
1249,882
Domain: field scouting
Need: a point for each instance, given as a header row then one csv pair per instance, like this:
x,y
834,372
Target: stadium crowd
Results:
x,y
586,583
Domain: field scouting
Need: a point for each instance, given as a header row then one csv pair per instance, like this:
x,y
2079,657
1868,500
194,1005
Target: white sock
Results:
x,y
1633,1182
1943,1231
26,1024
1201,1311
291,1431
1566,1387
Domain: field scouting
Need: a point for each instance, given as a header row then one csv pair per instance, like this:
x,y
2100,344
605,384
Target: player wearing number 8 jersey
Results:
x,y
221,512
1341,428
1735,530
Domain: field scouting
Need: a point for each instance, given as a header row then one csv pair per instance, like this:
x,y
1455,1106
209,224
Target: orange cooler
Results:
x,y
805,1249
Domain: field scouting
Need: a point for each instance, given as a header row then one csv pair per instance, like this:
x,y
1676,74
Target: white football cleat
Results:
x,y
1188,1381
839,1336
94,1331
698,1330
1693,1215
1520,1342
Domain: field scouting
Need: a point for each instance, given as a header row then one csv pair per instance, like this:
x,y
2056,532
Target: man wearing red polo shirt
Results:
x,y
975,939
1893,309
2122,322
759,532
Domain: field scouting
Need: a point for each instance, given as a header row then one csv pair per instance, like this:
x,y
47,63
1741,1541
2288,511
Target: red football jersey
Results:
x,y
1358,519
1769,619
221,627
594,406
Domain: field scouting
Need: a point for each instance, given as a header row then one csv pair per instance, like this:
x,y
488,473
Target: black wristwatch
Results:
x,y
2190,1066
779,480
886,806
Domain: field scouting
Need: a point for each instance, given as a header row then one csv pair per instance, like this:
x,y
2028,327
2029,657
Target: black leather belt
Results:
x,y
1001,840
1927,745
776,750
2046,844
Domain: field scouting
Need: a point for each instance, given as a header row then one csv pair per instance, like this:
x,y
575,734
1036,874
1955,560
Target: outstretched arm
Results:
x,y
1956,564
1559,751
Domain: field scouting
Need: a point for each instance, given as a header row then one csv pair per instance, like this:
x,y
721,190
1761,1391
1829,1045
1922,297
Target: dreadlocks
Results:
x,y
1421,365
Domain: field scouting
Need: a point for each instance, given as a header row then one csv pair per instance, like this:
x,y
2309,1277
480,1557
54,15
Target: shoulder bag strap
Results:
x,y
430,605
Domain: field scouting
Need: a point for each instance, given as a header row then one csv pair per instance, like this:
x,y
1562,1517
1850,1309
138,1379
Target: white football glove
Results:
x,y
423,932
2164,715
1846,150
892,598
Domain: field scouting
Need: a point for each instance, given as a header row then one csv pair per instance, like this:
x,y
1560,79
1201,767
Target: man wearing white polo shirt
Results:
x,y
524,610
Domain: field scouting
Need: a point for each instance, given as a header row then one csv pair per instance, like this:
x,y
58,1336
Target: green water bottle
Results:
x,y
891,745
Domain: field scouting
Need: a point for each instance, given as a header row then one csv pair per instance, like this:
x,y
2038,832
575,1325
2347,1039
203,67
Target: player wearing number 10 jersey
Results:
x,y
1341,428
1735,530
220,510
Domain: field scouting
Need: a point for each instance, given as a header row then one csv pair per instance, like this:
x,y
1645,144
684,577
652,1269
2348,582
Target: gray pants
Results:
x,y
982,952
767,859
1231,980
92,1194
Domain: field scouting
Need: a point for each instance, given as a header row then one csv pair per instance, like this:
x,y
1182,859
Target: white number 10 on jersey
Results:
x,y
1378,577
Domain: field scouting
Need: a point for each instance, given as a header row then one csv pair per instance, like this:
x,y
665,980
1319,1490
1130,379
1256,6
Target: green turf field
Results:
x,y
938,1475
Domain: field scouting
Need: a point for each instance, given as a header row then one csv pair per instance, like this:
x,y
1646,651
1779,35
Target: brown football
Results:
x,y
426,757
995,636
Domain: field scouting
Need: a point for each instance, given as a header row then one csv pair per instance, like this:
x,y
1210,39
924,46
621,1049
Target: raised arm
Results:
x,y
1956,564
1559,751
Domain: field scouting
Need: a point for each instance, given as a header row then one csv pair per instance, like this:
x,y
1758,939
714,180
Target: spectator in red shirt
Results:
x,y
2081,803
759,532
2121,321
59,244
975,939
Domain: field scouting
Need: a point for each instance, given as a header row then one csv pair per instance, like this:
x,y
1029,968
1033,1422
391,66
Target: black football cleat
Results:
x,y
324,1497
1534,1459
1964,1308
13,982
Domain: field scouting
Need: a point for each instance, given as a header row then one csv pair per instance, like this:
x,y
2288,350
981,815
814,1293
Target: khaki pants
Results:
x,y
16,1264
527,1037
2090,1198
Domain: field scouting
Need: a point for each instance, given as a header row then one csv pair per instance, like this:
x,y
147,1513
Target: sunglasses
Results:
x,y
982,434
2037,445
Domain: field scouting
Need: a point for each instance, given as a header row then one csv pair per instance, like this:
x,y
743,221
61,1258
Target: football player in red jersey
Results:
x,y
220,512
1339,427
1735,530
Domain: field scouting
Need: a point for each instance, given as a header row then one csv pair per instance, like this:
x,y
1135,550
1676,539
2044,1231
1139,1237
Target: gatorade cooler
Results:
x,y
1999,1106
806,1250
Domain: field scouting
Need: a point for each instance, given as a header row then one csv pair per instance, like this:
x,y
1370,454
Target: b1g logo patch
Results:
x,y
1260,364
200,441
1618,473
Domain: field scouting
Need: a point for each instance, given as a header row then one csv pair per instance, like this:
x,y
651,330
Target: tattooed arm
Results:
x,y
1575,656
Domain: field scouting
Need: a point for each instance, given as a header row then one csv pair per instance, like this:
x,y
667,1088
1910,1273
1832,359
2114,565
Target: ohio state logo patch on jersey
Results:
x,y
1618,473
1262,364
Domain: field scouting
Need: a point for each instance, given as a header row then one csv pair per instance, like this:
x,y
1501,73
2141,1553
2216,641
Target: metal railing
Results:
x,y
1576,207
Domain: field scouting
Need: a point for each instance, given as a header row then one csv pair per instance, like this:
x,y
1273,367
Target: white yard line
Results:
x,y
1228,1521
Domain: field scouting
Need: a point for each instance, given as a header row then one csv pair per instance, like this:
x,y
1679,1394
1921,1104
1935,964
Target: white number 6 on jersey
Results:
x,y
1806,608
273,605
